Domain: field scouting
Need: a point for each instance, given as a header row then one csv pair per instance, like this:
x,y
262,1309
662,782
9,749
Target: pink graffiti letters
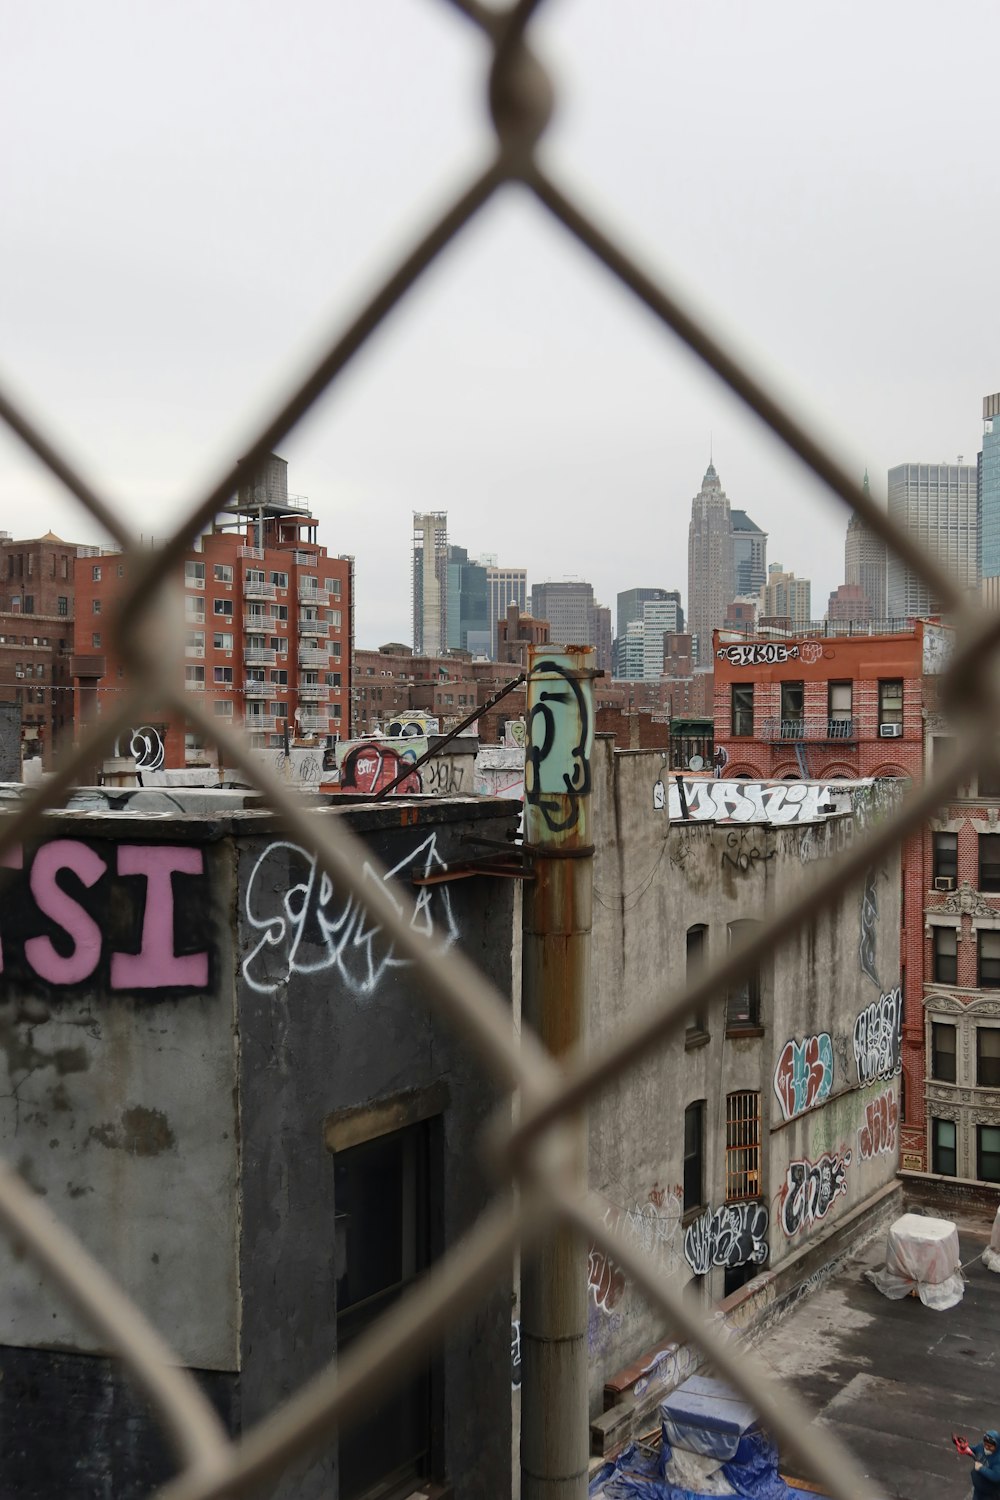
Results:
x,y
78,911
804,1075
811,1189
877,1136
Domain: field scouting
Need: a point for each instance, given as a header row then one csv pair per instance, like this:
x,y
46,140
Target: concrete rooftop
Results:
x,y
894,1380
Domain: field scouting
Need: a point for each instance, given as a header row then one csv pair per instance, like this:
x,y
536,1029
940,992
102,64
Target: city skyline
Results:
x,y
519,388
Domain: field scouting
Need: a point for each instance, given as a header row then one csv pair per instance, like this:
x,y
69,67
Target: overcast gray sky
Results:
x,y
195,195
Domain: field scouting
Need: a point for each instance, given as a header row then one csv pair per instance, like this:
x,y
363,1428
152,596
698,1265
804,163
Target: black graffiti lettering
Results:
x,y
732,1235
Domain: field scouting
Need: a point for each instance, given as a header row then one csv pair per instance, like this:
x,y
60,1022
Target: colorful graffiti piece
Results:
x,y
877,1136
804,1075
811,1189
878,1038
733,1235
370,765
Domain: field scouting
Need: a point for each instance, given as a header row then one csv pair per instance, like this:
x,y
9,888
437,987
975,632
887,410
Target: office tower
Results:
x,y
599,626
866,563
430,582
631,652
710,563
504,587
566,606
749,556
630,602
936,504
849,602
786,598
988,497
659,618
468,607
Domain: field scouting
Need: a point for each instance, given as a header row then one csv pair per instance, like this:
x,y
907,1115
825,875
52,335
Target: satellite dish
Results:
x,y
696,763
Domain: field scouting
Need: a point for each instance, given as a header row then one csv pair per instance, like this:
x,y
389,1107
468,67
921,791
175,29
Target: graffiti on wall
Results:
x,y
811,1189
137,917
307,926
515,1355
370,765
734,1234
146,748
751,801
743,853
758,653
560,736
445,778
804,1074
878,1038
668,1368
877,1136
869,927
652,1227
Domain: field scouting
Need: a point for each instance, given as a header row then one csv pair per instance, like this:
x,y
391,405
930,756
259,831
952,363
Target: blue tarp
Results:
x,y
752,1472
705,1416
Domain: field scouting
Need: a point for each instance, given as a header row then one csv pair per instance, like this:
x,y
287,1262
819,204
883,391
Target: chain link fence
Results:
x,y
521,99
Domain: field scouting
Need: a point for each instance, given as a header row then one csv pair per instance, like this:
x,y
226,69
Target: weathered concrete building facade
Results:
x,y
738,1152
219,1074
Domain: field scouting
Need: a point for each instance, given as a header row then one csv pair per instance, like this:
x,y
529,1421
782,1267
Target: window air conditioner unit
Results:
x,y
890,731
944,882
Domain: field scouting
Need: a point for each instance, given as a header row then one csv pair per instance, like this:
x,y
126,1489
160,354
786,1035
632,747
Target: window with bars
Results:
x,y
743,1145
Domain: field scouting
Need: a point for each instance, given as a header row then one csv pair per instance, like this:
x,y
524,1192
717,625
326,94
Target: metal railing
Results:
x,y
521,100
815,729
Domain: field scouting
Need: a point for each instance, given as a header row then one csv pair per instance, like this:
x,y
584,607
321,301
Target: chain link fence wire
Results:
x,y
524,1155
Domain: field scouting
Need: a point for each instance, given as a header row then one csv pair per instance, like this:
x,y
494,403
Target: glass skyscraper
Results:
x,y
988,490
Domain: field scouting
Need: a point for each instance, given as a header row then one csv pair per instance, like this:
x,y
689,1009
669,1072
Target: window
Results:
x,y
333,584
696,946
194,676
95,639
840,710
989,779
743,1146
279,643
988,1057
943,1154
194,575
792,699
989,861
62,605
194,608
333,679
943,1052
222,640
281,612
223,708
95,606
335,649
222,674
222,606
15,603
195,641
336,710
946,857
382,1243
280,677
334,617
280,580
989,959
694,1165
222,573
946,955
255,575
743,1000
988,1153
29,604
890,701
742,708
95,574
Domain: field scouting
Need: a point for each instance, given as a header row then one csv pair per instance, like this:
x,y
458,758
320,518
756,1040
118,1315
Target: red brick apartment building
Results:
x,y
268,626
36,636
830,706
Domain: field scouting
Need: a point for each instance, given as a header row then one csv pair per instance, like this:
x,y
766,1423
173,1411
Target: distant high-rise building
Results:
x,y
786,598
988,492
599,619
505,586
468,608
630,660
849,602
630,602
937,505
866,563
659,618
710,563
566,606
430,582
749,556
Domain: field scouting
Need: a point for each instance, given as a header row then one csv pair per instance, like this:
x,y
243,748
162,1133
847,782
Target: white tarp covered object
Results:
x,y
991,1255
922,1256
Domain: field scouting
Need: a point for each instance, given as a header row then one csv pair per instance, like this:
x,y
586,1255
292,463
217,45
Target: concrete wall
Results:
x,y
194,1027
654,879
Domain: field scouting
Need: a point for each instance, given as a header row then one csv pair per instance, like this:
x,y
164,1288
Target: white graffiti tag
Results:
x,y
312,927
730,1235
878,1036
749,801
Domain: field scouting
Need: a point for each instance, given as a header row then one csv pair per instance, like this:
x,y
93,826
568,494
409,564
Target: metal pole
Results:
x,y
554,995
